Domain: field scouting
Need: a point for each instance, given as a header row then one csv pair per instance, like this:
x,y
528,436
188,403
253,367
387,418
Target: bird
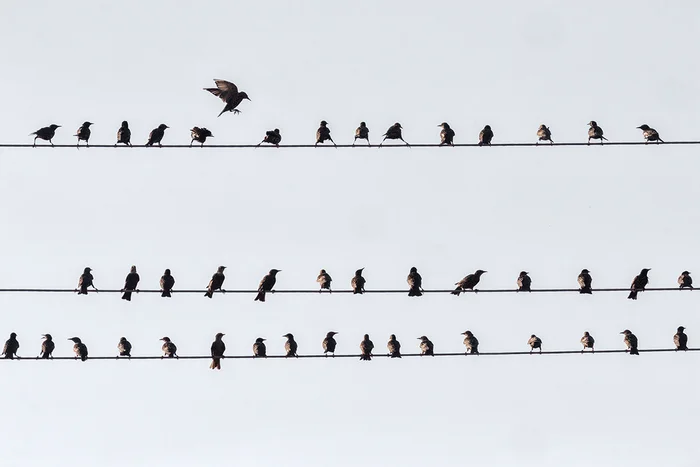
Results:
x,y
217,351
680,339
471,343
447,134
216,282
631,342
329,343
169,348
366,347
124,134
362,132
200,135
290,347
272,137
259,348
524,282
588,342
228,92
80,349
584,282
266,284
595,132
415,283
130,283
485,136
156,136
426,347
85,281
358,282
324,279
167,282
650,134
684,280
639,283
47,347
83,133
535,343
544,134
394,132
394,347
323,134
124,347
11,347
47,133
468,283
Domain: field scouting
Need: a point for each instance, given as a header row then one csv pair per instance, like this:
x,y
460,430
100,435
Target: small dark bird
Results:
x,y
266,284
200,135
216,282
524,282
595,132
259,348
535,343
426,347
366,347
47,133
362,132
290,346
358,282
169,348
217,351
228,92
394,347
83,133
468,283
124,134
650,134
156,136
80,349
485,136
272,137
544,134
415,283
471,343
630,341
130,283
323,134
685,281
588,342
324,279
124,347
47,347
447,134
11,347
680,339
167,282
329,343
85,281
639,283
394,132
584,282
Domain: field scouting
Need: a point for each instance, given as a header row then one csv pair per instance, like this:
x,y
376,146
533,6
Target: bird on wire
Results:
x,y
471,343
650,134
47,133
544,134
169,348
200,135
415,283
124,347
524,282
394,132
324,280
86,280
685,281
216,282
535,343
584,282
266,284
272,137
156,136
639,282
588,342
447,135
323,134
631,342
217,351
83,134
426,346
290,346
11,347
485,136
366,347
167,282
130,284
329,343
80,349
394,347
680,339
228,92
468,283
259,348
362,132
595,132
124,134
358,282
47,347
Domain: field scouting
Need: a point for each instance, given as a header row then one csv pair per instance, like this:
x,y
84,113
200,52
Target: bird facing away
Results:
x,y
471,343
394,132
124,347
124,134
272,137
47,133
485,136
584,282
468,283
167,282
394,347
217,351
156,136
426,347
535,343
323,134
631,342
650,134
588,342
595,132
680,339
266,284
358,282
80,349
290,347
216,282
228,92
130,283
324,280
47,347
11,347
366,347
544,134
524,282
362,132
415,283
639,283
447,135
169,348
200,135
329,343
259,348
83,133
685,281
85,281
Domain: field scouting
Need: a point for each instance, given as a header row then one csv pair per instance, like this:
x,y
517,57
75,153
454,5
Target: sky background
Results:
x,y
447,211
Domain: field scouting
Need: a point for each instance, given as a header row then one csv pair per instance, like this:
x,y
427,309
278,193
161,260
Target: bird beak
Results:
x,y
166,126
639,127
248,98
622,332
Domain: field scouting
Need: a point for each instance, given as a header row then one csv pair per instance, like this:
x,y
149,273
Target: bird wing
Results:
x,y
224,90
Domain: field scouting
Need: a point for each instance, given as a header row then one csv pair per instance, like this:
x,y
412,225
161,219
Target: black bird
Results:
x,y
639,283
266,284
80,349
524,282
631,342
394,347
290,346
83,133
169,348
358,282
535,343
362,132
228,92
167,282
200,135
394,132
680,339
595,132
156,136
259,348
324,279
584,282
11,347
366,347
650,134
485,136
588,342
272,137
544,134
47,347
468,283
124,347
124,134
415,283
130,283
47,133
85,281
471,343
684,280
323,134
426,347
217,351
216,282
447,134
329,343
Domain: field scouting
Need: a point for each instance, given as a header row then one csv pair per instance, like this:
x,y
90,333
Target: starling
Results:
x,y
83,133
167,282
217,351
544,134
535,343
358,282
200,135
47,133
324,279
130,283
485,136
156,136
124,347
362,132
169,348
228,92
329,343
595,132
216,282
272,137
426,347
124,134
366,347
394,132
650,134
585,281
394,347
471,343
80,349
290,346
47,347
639,283
323,134
11,347
259,349
588,342
680,339
630,341
415,283
85,281
468,283
684,280
524,282
447,135
266,284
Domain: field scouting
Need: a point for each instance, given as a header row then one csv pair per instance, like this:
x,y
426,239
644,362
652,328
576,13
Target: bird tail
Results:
x,y
83,357
604,138
126,296
215,364
83,290
634,351
585,290
260,296
414,292
456,291
222,112
395,355
166,293
366,357
209,293
632,295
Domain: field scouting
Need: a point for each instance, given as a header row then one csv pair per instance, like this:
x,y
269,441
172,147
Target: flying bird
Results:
x,y
47,347
266,284
200,135
447,134
228,92
366,347
323,134
80,349
169,348
324,279
11,347
535,343
47,133
468,283
485,136
588,342
124,134
358,282
595,132
680,339
394,347
156,136
259,348
167,282
584,282
216,282
631,342
639,283
85,281
471,343
217,351
650,134
685,281
426,347
394,132
362,132
130,283
329,343
415,283
83,133
524,282
544,134
124,347
272,137
290,346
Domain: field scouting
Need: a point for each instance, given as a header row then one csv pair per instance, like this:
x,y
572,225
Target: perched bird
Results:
x,y
595,132
290,346
80,349
323,134
524,282
167,282
358,282
124,347
217,351
447,134
471,342
650,134
394,347
228,92
415,283
485,136
169,348
366,347
259,348
426,347
585,281
47,347
11,347
216,282
156,136
329,343
639,283
630,341
684,280
680,339
394,132
272,137
47,133
468,283
266,284
535,343
588,342
85,281
362,132
83,133
324,279
200,135
124,134
543,134
130,283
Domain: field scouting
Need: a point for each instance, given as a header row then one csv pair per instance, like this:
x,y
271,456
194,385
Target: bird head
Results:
x,y
87,270
585,334
165,339
543,127
163,126
592,123
585,271
645,271
125,124
444,125
324,123
243,95
273,272
533,337
75,339
366,337
259,340
626,331
323,271
363,124
359,272
133,268
466,333
397,125
644,127
47,336
167,272
219,335
87,124
422,338
479,272
276,131
331,334
289,335
392,337
414,270
685,273
220,269
523,273
53,126
195,129
487,128
13,335
681,328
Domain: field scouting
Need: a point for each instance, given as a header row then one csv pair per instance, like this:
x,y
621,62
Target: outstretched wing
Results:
x,y
224,90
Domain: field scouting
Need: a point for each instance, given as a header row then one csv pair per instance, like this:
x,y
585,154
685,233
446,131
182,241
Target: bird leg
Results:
x,y
235,111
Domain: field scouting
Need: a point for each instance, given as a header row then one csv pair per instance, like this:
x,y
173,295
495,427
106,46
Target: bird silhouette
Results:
x,y
200,135
124,134
362,132
394,347
631,342
415,283
485,136
83,133
259,348
80,349
685,281
86,280
156,136
394,132
324,280
650,134
680,339
584,282
167,282
266,284
639,282
358,282
366,347
272,137
595,132
329,343
544,134
217,351
47,133
47,347
290,346
130,283
228,92
468,283
447,135
169,348
524,282
426,347
535,343
216,282
323,134
124,347
471,343
588,342
11,347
